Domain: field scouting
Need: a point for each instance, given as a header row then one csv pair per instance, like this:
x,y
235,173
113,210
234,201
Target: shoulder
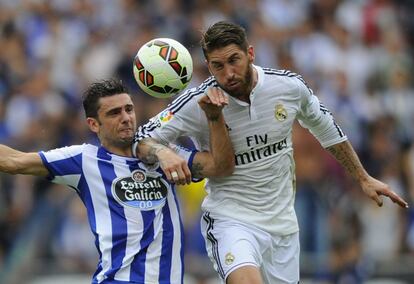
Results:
x,y
189,97
286,78
67,151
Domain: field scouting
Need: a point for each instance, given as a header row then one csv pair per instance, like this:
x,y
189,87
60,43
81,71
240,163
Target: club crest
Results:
x,y
229,258
280,112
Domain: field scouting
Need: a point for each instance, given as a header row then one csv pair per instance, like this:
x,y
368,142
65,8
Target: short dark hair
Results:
x,y
97,90
222,34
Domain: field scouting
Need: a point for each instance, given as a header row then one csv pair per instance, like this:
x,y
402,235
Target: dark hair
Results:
x,y
97,90
222,34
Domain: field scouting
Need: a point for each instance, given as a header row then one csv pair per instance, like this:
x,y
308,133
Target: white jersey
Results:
x,y
261,190
132,211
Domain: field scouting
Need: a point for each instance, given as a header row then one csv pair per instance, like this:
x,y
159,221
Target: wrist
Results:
x,y
215,118
161,150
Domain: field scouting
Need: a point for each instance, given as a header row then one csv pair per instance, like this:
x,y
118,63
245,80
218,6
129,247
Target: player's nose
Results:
x,y
229,73
125,116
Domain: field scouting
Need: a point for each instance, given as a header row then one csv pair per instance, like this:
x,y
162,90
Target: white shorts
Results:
x,y
231,244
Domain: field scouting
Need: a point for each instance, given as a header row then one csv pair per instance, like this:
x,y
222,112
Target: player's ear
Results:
x,y
250,53
93,124
208,66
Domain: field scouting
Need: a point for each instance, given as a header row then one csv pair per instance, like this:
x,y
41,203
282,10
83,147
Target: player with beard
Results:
x,y
249,222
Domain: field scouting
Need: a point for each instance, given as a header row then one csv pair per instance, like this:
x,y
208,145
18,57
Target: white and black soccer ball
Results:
x,y
163,67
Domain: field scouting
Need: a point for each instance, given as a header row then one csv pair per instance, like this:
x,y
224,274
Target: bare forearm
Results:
x,y
220,160
221,146
7,158
347,157
16,162
148,149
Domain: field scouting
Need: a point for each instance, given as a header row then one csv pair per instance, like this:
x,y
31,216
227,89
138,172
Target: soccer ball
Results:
x,y
163,67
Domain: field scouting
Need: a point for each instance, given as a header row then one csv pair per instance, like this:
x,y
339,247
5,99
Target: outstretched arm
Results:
x,y
16,162
346,156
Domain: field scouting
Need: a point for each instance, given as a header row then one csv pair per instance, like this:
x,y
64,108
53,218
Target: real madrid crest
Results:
x,y
229,258
280,112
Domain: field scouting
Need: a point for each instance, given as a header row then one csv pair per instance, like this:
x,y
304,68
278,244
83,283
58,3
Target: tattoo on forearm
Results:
x,y
197,170
151,156
347,157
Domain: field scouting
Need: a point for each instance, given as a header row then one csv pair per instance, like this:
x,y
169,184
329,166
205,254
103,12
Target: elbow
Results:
x,y
226,168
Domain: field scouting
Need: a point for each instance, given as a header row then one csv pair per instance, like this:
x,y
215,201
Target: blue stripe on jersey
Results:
x,y
182,234
69,166
138,264
85,196
167,248
118,219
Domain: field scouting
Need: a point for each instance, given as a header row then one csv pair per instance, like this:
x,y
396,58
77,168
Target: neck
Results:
x,y
119,150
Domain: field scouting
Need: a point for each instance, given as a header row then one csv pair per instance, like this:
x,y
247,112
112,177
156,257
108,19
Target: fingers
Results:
x,y
395,198
180,175
175,167
378,200
174,176
217,97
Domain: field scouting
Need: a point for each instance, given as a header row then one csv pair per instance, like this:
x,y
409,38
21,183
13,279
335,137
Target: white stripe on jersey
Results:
x,y
177,268
100,203
71,180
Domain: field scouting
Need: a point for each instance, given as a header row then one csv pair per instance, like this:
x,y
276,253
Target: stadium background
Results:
x,y
357,55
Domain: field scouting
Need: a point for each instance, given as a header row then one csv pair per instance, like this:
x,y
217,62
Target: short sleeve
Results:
x,y
64,164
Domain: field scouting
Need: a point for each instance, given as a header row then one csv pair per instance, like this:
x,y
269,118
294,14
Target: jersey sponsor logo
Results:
x,y
140,190
280,112
165,116
259,153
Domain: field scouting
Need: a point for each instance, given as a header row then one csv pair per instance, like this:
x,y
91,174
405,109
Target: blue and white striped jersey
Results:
x,y
132,210
261,190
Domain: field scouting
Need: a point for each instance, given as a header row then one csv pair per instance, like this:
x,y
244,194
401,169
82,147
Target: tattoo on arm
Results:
x,y
154,148
347,157
197,170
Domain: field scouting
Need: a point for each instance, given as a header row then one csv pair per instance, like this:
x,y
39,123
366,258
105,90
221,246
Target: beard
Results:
x,y
244,85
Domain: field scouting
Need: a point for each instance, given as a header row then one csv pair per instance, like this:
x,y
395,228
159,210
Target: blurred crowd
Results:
x,y
356,55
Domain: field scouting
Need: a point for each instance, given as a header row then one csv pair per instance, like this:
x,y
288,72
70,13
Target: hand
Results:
x,y
174,166
213,102
375,188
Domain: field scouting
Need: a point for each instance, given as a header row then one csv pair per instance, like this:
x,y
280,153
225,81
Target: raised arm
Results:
x,y
220,160
16,162
346,156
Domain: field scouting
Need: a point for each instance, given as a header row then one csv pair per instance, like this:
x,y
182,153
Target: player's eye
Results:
x,y
113,112
217,66
234,59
